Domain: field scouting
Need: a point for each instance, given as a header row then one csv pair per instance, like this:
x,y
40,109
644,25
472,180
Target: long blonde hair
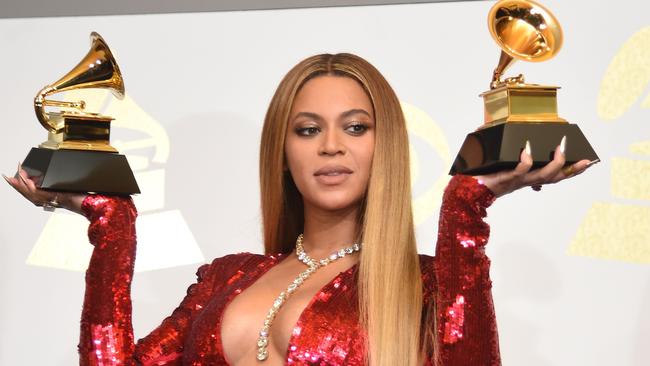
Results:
x,y
389,282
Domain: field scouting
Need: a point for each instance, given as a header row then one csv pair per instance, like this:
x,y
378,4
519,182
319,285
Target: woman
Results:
x,y
335,186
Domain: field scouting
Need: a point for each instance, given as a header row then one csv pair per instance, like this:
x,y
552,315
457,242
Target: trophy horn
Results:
x,y
97,69
524,30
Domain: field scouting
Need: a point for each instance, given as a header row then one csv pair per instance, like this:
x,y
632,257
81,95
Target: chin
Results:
x,y
336,201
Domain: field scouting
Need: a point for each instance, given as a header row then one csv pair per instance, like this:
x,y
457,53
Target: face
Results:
x,y
330,142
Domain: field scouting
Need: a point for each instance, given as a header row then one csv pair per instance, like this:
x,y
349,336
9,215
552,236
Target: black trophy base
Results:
x,y
497,148
80,171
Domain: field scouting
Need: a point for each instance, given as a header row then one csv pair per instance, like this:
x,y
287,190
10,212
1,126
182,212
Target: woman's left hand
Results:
x,y
504,182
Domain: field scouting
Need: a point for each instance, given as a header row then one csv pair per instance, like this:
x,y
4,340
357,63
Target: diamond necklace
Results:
x,y
312,266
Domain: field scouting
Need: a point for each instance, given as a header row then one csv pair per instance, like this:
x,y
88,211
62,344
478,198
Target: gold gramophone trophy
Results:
x,y
77,156
514,110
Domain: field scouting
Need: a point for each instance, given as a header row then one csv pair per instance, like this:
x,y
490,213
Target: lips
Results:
x,y
332,175
332,171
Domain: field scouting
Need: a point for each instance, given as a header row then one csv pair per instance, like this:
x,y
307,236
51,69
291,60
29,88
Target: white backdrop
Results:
x,y
570,264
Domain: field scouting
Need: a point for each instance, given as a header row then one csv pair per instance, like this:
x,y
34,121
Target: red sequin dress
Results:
x,y
327,332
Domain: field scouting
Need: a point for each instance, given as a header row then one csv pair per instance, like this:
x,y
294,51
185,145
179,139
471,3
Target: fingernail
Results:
x,y
527,148
593,162
5,177
22,179
563,145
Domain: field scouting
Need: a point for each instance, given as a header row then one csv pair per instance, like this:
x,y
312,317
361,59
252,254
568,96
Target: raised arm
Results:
x,y
106,331
466,325
106,336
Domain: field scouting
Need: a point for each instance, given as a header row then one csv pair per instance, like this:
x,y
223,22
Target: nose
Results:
x,y
331,143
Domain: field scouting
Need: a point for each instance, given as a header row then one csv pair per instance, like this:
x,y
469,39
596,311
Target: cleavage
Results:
x,y
243,317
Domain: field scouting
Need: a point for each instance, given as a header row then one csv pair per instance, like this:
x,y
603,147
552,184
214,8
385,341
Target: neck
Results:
x,y
329,231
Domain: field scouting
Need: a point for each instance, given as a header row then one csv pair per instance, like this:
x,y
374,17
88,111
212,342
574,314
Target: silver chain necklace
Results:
x,y
312,266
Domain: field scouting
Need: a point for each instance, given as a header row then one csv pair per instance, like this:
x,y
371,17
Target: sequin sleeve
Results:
x,y
106,337
467,333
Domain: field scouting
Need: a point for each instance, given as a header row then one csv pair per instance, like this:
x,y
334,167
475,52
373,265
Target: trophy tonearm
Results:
x,y
71,127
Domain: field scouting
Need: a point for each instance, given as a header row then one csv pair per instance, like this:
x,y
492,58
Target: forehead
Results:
x,y
331,93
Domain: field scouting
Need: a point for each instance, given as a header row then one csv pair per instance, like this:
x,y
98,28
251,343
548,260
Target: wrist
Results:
x,y
71,201
472,189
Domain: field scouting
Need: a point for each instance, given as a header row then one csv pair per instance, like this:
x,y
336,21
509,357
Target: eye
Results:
x,y
307,131
357,128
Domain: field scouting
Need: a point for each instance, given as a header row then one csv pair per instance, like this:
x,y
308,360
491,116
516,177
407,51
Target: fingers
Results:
x,y
525,161
18,181
504,182
27,188
573,170
31,186
18,185
522,168
22,176
550,171
589,164
10,181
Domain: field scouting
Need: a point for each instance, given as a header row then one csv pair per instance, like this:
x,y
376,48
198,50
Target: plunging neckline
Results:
x,y
261,272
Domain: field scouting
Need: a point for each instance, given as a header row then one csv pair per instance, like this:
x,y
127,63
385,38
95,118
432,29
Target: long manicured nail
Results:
x,y
593,162
20,176
563,145
6,178
527,148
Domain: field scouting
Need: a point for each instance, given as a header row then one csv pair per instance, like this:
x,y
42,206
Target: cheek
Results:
x,y
365,153
291,152
296,162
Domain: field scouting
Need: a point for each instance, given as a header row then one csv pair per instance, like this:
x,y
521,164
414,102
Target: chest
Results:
x,y
317,324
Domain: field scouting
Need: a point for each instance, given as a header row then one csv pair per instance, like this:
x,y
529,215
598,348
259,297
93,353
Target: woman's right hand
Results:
x,y
39,197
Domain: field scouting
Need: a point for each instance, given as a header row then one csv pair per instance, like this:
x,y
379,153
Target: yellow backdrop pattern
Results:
x,y
613,230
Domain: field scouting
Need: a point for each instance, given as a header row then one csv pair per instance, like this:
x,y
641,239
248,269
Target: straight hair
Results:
x,y
389,279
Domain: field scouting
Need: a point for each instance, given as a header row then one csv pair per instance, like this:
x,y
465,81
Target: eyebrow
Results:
x,y
345,114
355,111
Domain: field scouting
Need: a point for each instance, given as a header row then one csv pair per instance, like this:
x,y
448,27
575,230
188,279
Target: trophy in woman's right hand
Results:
x,y
516,112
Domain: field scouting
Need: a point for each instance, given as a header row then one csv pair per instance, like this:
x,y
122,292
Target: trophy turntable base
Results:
x,y
498,147
81,171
